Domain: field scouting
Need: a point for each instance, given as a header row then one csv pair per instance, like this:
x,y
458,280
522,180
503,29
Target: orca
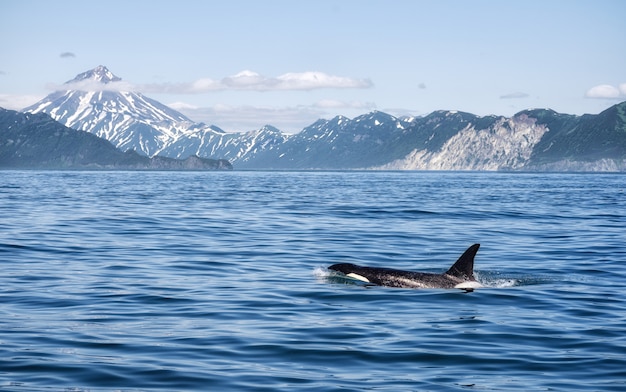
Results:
x,y
459,276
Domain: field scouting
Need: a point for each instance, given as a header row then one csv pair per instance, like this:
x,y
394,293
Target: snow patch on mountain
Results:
x,y
99,74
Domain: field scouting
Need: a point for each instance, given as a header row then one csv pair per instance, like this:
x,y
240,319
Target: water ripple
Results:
x,y
195,281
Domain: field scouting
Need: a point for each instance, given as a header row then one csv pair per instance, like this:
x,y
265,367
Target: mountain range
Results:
x,y
36,141
538,139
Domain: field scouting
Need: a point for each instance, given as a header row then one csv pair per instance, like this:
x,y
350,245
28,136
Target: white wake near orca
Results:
x,y
459,276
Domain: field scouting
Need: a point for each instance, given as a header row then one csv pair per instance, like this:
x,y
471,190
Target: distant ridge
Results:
x,y
531,140
35,141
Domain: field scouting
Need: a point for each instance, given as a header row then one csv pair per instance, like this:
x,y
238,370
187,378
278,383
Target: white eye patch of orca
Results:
x,y
358,277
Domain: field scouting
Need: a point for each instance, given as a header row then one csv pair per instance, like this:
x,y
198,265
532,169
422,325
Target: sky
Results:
x,y
242,64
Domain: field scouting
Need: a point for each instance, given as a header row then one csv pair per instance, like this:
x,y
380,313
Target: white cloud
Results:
x,y
18,102
314,80
91,85
252,81
336,104
289,119
607,91
245,80
245,118
182,106
515,95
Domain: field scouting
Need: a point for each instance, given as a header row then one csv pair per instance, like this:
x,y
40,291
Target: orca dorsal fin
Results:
x,y
464,266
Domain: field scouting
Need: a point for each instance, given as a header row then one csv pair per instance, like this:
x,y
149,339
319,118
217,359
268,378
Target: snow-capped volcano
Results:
x,y
93,102
99,74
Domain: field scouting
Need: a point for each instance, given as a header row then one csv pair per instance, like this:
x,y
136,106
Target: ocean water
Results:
x,y
187,281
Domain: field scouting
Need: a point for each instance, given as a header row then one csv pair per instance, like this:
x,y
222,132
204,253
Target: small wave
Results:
x,y
496,280
492,280
326,276
321,273
500,283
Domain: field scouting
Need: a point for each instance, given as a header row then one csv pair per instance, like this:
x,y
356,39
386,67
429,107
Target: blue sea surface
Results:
x,y
196,281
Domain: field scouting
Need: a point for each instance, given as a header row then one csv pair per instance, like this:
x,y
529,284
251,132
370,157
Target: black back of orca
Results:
x,y
458,276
